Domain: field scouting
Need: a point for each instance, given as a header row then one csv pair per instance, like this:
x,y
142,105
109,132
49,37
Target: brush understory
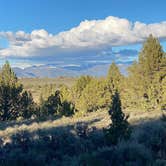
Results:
x,y
80,141
99,120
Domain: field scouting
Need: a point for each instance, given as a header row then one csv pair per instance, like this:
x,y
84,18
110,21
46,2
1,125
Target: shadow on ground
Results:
x,y
82,145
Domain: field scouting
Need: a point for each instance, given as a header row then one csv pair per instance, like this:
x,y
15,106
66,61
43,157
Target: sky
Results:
x,y
77,32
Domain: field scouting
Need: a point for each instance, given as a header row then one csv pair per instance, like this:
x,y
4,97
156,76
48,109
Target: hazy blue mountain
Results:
x,y
47,71
98,66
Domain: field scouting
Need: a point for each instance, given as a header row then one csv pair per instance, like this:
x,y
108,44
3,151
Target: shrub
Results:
x,y
132,153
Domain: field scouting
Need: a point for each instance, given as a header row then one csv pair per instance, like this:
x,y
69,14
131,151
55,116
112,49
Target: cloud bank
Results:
x,y
88,36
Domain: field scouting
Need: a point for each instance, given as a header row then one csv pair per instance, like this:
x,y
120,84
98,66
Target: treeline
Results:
x,y
143,88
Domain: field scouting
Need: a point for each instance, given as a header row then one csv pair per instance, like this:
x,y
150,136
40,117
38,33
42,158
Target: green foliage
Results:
x,y
81,83
127,154
78,87
13,101
151,57
163,93
114,77
133,154
154,139
66,94
52,105
119,128
67,108
96,95
28,106
146,76
56,106
46,91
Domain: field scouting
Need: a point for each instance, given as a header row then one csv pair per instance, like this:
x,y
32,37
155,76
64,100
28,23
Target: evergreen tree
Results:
x,y
114,77
163,99
147,75
96,95
65,93
79,86
27,105
11,99
47,90
81,83
67,108
52,105
132,96
10,91
119,129
151,57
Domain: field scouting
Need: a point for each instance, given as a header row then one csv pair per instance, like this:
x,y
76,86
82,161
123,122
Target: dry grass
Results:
x,y
98,119
35,85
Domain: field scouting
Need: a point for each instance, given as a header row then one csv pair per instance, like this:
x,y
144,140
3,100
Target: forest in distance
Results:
x,y
115,120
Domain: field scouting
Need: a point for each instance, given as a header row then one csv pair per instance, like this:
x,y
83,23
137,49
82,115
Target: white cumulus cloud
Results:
x,y
88,35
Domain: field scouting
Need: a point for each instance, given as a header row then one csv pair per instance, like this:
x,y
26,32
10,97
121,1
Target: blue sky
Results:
x,y
59,15
39,23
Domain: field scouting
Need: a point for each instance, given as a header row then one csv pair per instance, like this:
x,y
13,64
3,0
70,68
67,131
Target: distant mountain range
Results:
x,y
53,71
96,66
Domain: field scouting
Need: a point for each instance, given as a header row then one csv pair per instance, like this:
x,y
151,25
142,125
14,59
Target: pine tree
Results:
x,y
119,129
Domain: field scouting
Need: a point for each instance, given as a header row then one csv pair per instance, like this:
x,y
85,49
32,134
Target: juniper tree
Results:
x,y
148,74
47,90
11,99
27,105
78,87
95,95
119,129
114,78
52,105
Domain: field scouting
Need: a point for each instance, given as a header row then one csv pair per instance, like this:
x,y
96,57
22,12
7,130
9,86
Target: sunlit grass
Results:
x,y
99,119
